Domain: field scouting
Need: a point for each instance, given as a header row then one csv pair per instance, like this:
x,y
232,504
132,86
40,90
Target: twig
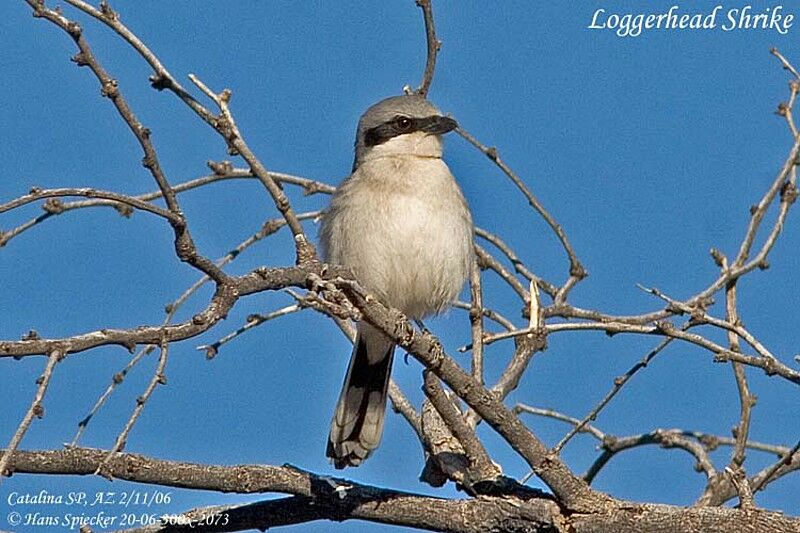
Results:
x,y
524,351
252,321
619,383
700,316
226,126
262,279
566,310
768,475
491,314
162,79
268,228
433,47
476,322
159,378
758,213
487,260
35,410
612,445
664,438
721,489
402,406
709,441
576,270
184,245
662,328
519,266
786,65
746,402
785,108
550,413
56,207
525,347
309,187
223,124
116,380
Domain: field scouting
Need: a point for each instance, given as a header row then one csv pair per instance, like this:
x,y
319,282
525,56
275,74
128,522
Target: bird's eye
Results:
x,y
403,123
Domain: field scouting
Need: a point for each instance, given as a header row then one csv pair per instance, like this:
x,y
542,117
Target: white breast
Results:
x,y
401,224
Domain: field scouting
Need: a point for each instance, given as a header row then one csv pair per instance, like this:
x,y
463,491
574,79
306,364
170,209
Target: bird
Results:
x,y
401,224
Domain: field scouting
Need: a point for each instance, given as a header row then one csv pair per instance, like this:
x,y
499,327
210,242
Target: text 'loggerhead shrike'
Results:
x,y
401,225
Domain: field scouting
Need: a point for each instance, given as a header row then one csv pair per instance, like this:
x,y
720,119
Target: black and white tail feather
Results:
x,y
357,423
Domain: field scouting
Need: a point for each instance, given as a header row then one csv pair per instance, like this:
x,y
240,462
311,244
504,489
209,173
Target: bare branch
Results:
x,y
700,316
662,328
664,438
268,228
116,380
223,124
576,269
252,321
570,490
35,410
159,378
550,413
262,279
491,314
619,382
318,496
519,266
709,441
746,402
480,467
789,462
226,126
433,47
116,198
223,172
344,499
184,245
524,351
476,321
162,79
487,260
786,65
721,488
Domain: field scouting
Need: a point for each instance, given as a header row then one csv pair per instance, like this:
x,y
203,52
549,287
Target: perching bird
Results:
x,y
401,224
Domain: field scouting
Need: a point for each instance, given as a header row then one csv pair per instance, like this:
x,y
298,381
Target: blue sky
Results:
x,y
649,151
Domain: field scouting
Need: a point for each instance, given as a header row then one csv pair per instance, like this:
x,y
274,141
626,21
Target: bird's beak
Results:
x,y
438,125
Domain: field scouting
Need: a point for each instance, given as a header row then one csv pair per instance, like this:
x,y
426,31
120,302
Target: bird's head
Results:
x,y
407,125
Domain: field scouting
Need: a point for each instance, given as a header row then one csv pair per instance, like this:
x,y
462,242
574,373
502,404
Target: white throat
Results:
x,y
417,144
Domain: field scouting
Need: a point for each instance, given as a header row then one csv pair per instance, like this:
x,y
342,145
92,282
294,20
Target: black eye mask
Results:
x,y
400,125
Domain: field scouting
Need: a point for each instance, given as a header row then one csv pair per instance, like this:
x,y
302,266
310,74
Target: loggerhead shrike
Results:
x,y
401,224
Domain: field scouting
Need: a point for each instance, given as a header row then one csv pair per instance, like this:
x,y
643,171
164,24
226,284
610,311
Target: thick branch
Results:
x,y
316,497
573,492
342,499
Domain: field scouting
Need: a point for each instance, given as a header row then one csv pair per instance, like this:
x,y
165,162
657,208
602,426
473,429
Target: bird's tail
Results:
x,y
357,423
